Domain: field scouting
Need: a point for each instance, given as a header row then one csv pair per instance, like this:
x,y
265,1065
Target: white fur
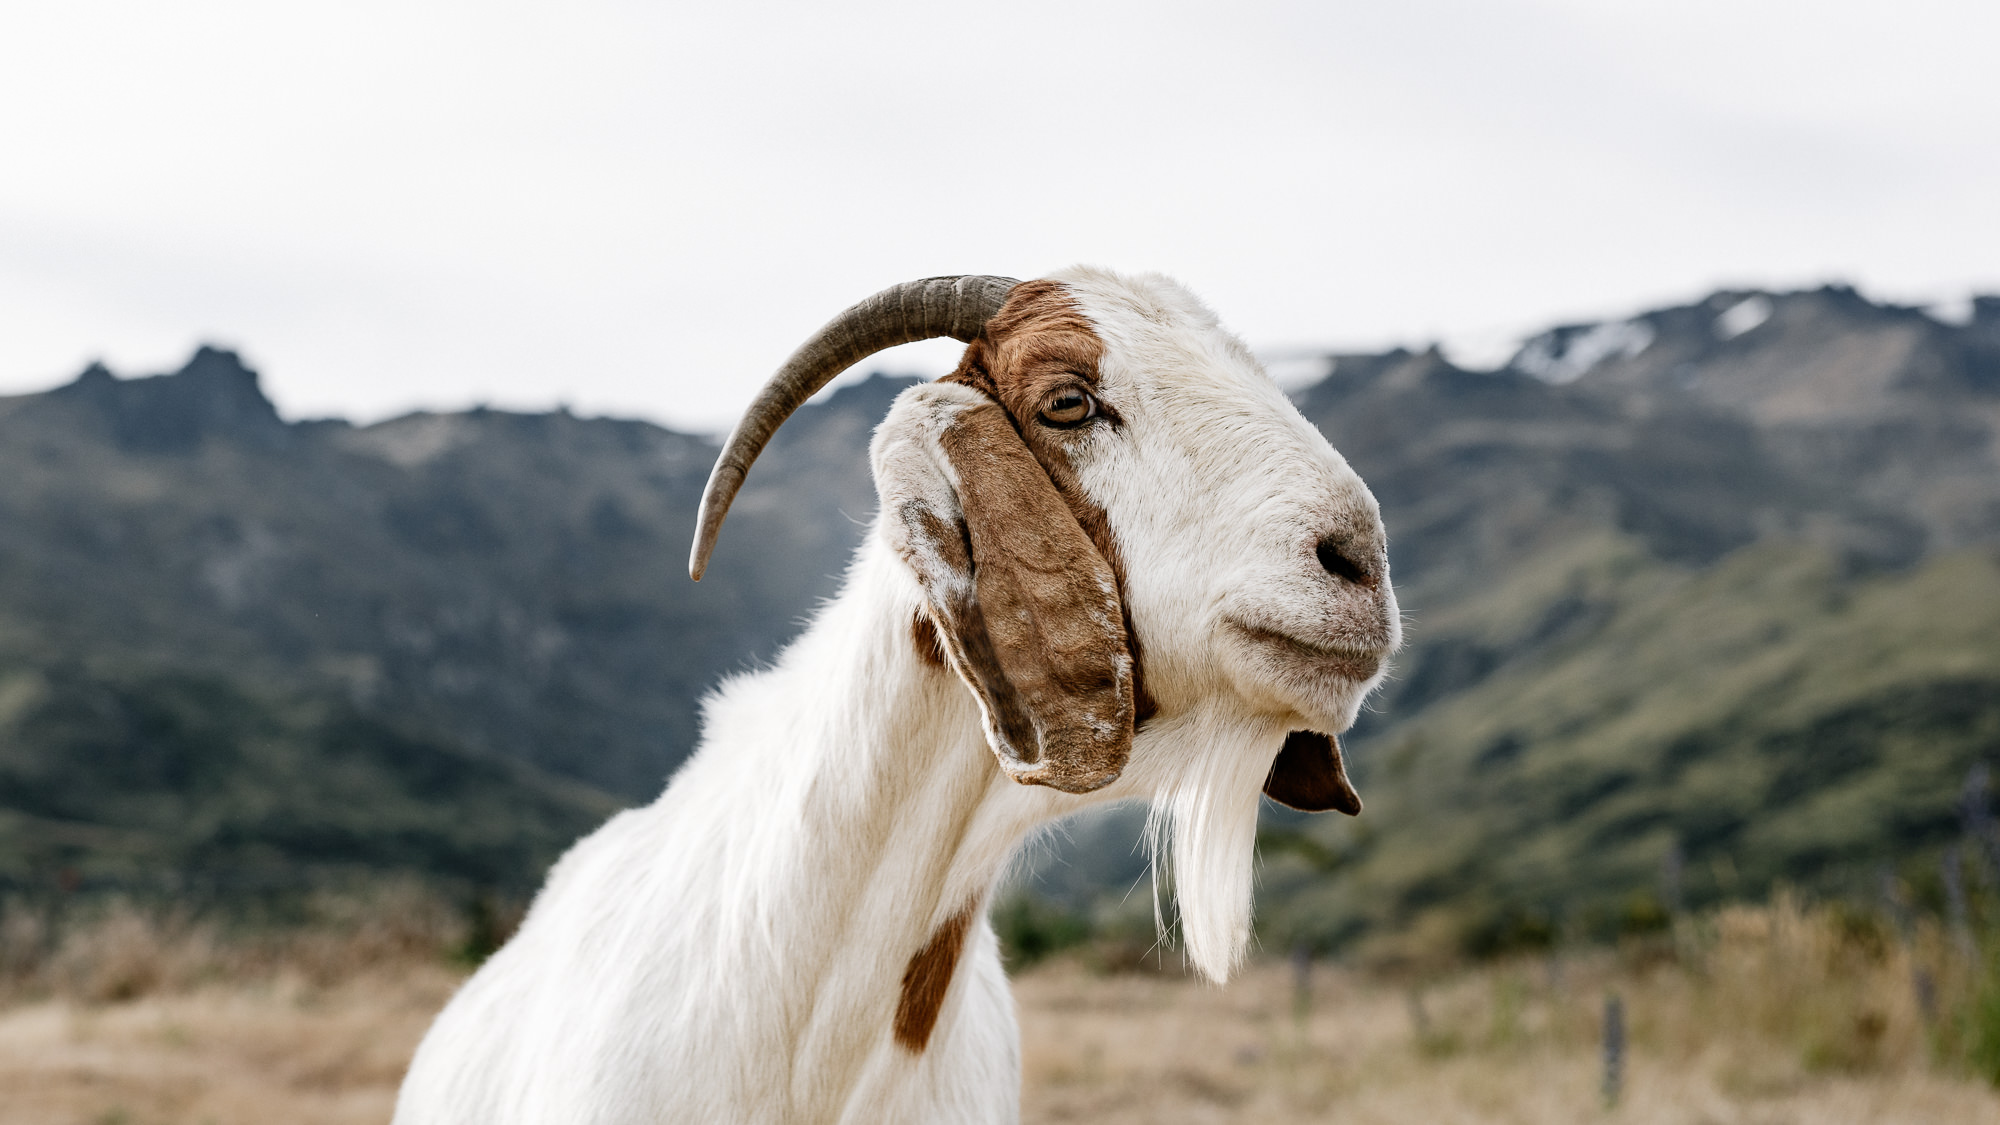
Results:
x,y
733,952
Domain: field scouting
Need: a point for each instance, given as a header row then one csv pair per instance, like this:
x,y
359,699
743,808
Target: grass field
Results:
x,y
1767,1015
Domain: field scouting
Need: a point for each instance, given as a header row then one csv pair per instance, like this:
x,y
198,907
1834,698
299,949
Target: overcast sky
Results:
x,y
640,208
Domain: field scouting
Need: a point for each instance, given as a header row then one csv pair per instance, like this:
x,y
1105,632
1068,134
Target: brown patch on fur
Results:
x,y
925,635
1039,628
964,639
1037,343
1310,776
927,978
952,544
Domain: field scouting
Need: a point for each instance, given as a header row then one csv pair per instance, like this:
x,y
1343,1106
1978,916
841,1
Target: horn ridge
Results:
x,y
957,306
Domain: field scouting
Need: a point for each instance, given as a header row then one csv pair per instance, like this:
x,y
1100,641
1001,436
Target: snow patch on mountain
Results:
x,y
1565,355
1742,316
1957,312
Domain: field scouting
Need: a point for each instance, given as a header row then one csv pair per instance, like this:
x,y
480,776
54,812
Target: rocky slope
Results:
x,y
500,598
1711,590
1699,601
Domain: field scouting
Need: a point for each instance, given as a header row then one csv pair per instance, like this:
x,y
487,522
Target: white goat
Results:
x,y
1111,561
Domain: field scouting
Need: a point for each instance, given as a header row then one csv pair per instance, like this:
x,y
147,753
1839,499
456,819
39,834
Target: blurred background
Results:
x,y
360,368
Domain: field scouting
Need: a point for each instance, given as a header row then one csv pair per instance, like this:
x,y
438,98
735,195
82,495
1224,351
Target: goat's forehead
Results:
x,y
1170,350
1149,296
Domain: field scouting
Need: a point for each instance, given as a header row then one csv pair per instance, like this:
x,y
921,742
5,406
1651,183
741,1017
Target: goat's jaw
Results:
x,y
1204,766
1335,663
1320,686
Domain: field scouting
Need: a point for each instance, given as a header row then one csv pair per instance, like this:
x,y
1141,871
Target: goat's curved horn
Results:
x,y
958,307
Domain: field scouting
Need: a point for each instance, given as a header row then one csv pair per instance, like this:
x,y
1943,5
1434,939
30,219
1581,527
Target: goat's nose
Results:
x,y
1344,558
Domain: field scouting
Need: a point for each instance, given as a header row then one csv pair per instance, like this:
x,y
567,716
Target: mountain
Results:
x,y
151,781
1711,591
503,593
516,579
1698,602
1708,596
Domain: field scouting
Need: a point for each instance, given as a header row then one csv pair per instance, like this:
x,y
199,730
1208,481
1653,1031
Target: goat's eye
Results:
x,y
1070,406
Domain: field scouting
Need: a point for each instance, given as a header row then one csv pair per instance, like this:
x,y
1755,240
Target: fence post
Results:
x,y
1614,1049
1953,864
1897,903
1975,815
1926,988
1302,967
1671,867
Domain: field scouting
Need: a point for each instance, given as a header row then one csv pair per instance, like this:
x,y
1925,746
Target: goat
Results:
x,y
1111,561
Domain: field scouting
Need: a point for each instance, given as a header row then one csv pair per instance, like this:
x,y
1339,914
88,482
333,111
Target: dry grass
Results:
x,y
1777,1016
282,1050
114,1015
112,950
1768,1015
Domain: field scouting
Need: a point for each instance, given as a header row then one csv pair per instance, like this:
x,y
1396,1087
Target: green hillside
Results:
x,y
1765,719
1704,611
191,784
1701,618
240,654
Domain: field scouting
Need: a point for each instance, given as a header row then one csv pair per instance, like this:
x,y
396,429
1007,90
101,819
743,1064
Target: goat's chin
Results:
x,y
1323,685
1203,829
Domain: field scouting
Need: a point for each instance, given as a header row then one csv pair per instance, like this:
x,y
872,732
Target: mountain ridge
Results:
x,y
508,586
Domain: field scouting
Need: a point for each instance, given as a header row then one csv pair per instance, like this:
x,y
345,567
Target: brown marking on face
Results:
x,y
950,545
1035,621
941,553
1309,775
927,978
1038,343
924,634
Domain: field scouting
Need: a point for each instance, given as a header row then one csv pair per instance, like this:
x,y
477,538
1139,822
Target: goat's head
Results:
x,y
1118,520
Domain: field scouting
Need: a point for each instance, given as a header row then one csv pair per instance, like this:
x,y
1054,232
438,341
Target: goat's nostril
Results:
x,y
1340,564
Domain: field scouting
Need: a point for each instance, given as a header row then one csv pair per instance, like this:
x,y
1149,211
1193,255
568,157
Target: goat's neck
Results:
x,y
866,809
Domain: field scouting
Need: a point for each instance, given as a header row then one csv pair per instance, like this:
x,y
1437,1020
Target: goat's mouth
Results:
x,y
1347,662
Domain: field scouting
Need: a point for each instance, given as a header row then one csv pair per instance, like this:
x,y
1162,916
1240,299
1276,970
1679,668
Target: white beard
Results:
x,y
1204,817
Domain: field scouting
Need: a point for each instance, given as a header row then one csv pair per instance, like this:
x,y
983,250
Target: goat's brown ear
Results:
x,y
1026,607
1310,776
